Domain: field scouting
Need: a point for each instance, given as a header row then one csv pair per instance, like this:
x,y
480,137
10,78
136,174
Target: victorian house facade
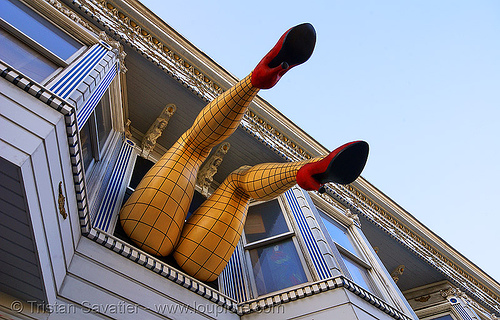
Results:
x,y
92,94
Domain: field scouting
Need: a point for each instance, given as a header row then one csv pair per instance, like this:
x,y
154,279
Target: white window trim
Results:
x,y
77,31
379,276
33,44
63,23
292,234
363,250
359,257
433,312
352,256
96,171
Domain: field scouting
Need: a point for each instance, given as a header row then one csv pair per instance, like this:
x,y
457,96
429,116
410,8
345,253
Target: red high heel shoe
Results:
x,y
293,48
343,165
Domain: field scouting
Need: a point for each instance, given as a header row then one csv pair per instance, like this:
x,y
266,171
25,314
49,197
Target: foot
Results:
x,y
293,48
343,166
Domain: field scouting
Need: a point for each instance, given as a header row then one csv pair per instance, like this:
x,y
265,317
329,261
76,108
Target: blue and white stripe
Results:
x,y
72,79
461,311
85,112
110,204
231,280
459,308
308,237
98,198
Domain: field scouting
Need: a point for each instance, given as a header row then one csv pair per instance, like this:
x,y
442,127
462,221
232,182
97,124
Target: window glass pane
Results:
x,y
264,220
445,317
358,273
276,266
103,118
338,233
86,143
23,58
38,29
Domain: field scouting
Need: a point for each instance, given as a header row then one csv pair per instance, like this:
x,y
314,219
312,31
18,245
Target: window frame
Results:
x,y
442,314
380,279
358,257
98,150
291,234
96,171
59,21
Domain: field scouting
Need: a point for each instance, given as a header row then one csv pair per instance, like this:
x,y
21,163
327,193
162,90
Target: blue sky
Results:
x,y
418,80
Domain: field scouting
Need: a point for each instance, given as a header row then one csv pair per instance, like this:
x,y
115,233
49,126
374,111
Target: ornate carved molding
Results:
x,y
128,134
423,298
210,167
454,293
117,48
354,216
451,291
279,141
355,199
397,272
156,130
70,14
306,290
142,40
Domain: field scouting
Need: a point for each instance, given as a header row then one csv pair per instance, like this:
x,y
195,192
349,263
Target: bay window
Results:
x,y
272,249
352,262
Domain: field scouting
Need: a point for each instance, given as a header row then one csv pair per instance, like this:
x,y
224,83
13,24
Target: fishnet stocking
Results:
x,y
211,234
154,215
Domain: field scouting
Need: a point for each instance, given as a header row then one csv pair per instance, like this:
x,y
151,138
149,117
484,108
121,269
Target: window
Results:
x,y
354,265
271,248
32,44
444,317
95,132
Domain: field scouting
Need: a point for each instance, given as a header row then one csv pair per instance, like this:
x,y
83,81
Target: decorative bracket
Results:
x,y
210,167
451,291
128,134
354,216
156,129
397,272
117,48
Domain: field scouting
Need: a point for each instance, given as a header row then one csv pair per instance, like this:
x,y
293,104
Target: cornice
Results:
x,y
279,129
417,238
69,13
400,226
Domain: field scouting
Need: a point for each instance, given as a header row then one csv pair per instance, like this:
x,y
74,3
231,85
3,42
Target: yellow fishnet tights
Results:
x,y
211,234
154,215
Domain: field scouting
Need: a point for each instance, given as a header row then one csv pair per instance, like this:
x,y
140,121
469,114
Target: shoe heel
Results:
x,y
343,166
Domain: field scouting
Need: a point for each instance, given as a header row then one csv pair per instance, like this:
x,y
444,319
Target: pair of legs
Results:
x,y
154,215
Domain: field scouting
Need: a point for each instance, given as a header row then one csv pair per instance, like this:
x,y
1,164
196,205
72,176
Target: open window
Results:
x,y
32,44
